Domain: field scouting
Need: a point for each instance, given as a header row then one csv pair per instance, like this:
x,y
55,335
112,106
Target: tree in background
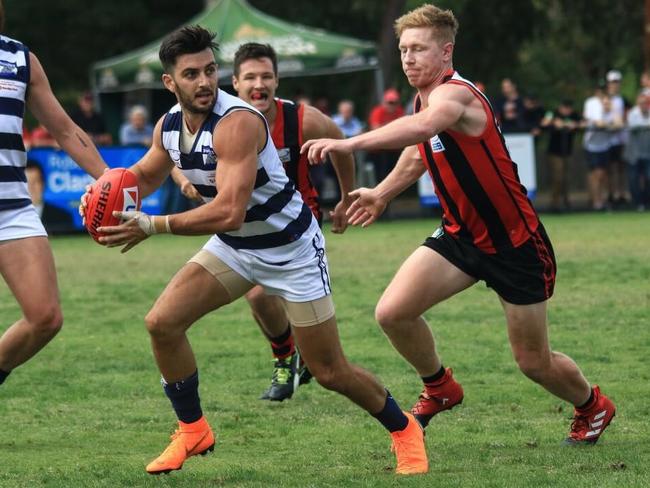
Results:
x,y
556,48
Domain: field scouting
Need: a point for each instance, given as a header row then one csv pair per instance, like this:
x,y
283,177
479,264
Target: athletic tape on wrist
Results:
x,y
161,224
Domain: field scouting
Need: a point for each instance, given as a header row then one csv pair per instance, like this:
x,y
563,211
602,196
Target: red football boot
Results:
x,y
444,394
589,423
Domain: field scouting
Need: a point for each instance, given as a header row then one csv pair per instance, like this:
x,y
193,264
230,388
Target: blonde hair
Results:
x,y
443,22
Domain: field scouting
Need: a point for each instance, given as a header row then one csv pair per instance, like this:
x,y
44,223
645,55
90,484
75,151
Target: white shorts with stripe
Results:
x,y
303,278
19,223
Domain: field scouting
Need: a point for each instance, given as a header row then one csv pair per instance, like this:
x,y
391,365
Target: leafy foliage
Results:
x,y
556,48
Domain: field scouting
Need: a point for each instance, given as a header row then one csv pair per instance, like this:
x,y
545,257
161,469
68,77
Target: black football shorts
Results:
x,y
520,275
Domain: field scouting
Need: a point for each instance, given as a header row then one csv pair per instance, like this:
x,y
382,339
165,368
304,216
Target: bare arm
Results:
x,y
47,109
449,106
407,170
186,187
369,204
154,166
240,136
317,125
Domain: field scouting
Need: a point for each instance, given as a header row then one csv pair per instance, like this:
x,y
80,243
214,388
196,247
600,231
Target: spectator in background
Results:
x,y
345,119
90,120
388,110
645,80
510,120
322,103
41,137
562,124
618,194
533,114
637,151
137,131
509,93
351,126
600,121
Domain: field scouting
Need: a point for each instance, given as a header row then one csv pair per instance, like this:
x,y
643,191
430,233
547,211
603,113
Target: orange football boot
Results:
x,y
188,440
408,445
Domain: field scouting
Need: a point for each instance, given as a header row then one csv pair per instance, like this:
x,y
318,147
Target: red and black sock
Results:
x,y
282,345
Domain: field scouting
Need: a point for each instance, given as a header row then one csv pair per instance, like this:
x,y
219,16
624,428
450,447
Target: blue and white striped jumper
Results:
x,y
277,222
14,79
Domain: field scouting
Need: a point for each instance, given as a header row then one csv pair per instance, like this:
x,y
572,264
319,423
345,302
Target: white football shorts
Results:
x,y
302,278
19,223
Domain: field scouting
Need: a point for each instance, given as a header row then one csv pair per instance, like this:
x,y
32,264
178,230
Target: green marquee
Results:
x,y
302,51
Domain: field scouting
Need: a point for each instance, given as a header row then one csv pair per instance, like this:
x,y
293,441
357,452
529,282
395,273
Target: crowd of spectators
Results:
x,y
615,141
615,137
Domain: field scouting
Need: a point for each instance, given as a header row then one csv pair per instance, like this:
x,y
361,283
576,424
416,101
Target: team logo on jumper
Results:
x,y
130,198
176,156
8,68
436,144
209,157
285,154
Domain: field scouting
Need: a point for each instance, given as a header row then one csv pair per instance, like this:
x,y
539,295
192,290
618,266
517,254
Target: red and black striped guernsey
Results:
x,y
287,138
477,183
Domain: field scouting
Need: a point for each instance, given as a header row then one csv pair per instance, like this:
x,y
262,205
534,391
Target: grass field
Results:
x,y
88,411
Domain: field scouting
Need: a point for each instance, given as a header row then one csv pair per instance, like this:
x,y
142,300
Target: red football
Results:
x,y
117,189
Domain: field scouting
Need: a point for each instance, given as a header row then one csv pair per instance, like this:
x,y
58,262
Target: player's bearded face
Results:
x,y
195,81
256,83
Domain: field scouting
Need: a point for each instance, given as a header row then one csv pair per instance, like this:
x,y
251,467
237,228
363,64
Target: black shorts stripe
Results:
x,y
12,173
473,189
440,187
291,233
324,274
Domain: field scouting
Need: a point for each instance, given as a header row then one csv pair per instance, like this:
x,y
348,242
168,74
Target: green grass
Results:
x,y
88,411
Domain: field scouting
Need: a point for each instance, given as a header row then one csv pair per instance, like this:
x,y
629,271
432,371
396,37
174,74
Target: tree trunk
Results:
x,y
388,53
646,37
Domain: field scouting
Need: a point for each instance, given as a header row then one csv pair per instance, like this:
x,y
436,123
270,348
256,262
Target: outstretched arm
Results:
x,y
370,203
316,125
446,107
46,108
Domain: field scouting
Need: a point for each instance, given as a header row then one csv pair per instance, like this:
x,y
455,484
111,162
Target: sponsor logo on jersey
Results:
x,y
436,144
209,157
130,196
8,68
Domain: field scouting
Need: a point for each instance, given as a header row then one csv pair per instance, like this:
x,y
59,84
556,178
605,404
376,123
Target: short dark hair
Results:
x,y
2,17
255,50
186,40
